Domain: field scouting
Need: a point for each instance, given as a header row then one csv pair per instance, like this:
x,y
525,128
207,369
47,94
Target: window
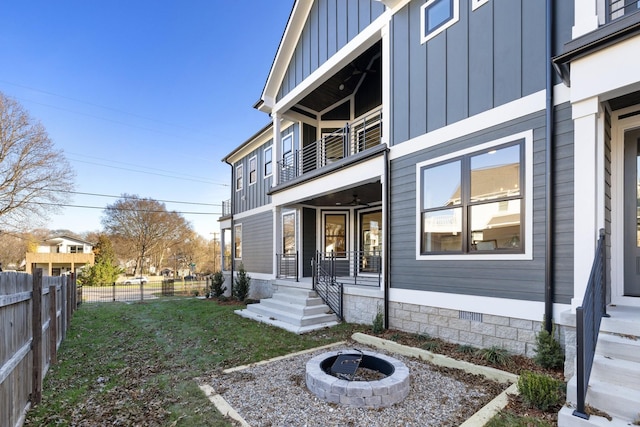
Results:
x,y
289,234
253,170
239,173
73,249
335,235
477,3
237,244
474,203
436,16
268,161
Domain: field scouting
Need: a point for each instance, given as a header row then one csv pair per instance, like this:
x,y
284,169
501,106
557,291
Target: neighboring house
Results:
x,y
60,255
446,165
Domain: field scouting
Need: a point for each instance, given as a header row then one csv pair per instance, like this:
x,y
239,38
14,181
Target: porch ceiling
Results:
x,y
329,92
625,101
360,196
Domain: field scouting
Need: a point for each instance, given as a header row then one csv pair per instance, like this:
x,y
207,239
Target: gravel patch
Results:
x,y
275,394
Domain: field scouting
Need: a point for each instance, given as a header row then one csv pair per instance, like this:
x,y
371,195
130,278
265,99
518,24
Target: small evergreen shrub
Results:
x,y
549,353
541,391
465,349
217,281
432,346
242,283
378,322
495,355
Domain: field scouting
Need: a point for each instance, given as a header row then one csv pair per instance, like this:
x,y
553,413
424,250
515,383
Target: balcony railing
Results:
x,y
353,138
615,9
226,207
359,268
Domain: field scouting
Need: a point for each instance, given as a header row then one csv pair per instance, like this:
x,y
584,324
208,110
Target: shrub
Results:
x,y
378,322
432,346
495,355
242,283
217,280
465,349
540,391
549,353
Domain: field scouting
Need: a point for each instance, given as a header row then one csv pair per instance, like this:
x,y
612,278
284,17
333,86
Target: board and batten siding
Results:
x,y
516,279
331,24
493,55
257,243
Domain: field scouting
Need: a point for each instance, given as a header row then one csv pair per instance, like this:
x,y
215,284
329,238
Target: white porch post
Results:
x,y
587,197
277,237
277,147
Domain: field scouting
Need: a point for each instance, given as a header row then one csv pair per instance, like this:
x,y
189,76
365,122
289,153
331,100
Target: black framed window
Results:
x,y
474,203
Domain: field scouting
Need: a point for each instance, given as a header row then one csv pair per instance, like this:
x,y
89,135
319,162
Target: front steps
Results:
x,y
296,310
614,387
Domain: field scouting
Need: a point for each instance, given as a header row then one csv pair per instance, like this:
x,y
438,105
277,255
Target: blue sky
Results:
x,y
143,96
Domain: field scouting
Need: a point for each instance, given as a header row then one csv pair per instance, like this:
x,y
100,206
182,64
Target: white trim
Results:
x,y
528,201
235,184
264,157
496,116
293,212
520,309
251,212
255,159
477,3
424,37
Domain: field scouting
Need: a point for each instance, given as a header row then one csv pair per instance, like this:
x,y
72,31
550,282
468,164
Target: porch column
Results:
x,y
586,17
277,147
587,198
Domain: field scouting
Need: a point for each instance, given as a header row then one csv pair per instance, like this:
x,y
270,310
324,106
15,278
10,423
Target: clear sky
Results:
x,y
144,97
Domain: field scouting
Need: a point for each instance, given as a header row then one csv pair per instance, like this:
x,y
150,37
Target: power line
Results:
x,y
124,209
138,198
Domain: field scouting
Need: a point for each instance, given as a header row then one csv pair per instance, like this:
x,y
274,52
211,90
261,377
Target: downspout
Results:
x,y
387,237
232,202
549,155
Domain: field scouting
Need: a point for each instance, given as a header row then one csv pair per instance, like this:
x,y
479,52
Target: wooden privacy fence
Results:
x,y
35,313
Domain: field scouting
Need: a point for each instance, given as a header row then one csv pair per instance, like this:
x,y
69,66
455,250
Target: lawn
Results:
x,y
134,364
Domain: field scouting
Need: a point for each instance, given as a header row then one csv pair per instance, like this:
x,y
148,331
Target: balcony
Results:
x,y
353,138
615,9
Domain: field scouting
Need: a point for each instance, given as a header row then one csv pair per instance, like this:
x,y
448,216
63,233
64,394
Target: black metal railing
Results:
x,y
615,9
226,207
326,287
588,318
353,138
359,268
287,266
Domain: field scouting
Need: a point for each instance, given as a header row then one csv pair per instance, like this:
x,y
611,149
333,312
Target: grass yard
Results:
x,y
134,364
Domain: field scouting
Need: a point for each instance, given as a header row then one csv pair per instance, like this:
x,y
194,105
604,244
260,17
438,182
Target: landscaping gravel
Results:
x,y
275,394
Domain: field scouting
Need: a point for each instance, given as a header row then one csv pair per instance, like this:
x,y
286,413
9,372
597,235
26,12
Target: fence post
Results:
x,y
53,324
63,311
67,285
74,293
141,292
114,291
36,348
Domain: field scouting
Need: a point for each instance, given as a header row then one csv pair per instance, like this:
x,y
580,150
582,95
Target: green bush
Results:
x,y
242,283
549,353
541,391
217,280
378,322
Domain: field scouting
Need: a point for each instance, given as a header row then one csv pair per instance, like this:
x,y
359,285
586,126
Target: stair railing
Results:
x,y
325,284
588,318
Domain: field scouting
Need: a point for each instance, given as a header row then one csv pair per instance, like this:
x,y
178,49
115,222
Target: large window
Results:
x,y
237,244
474,203
289,234
268,162
335,234
436,16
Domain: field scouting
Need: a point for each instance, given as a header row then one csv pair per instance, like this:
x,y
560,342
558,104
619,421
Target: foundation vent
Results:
x,y
468,315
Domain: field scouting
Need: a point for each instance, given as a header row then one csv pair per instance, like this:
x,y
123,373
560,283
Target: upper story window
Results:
x,y
474,203
73,249
268,161
239,177
287,149
253,170
436,16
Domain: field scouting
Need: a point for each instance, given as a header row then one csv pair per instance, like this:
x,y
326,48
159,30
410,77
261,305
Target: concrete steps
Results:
x,y
614,387
293,309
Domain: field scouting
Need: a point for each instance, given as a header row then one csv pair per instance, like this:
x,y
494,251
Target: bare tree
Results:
x,y
143,227
35,178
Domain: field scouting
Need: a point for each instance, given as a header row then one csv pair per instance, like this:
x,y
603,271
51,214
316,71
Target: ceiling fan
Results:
x,y
355,202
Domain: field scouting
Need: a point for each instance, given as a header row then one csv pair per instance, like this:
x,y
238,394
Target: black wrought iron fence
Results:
x,y
326,287
358,268
588,318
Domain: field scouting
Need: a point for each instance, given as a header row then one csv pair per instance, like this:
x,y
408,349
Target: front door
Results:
x,y
632,213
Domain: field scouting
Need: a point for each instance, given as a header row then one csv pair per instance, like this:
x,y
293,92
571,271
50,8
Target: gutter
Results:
x,y
549,152
387,238
233,228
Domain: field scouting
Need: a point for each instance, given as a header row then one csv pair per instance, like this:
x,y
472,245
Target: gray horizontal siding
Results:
x,y
491,56
331,24
257,243
255,195
518,279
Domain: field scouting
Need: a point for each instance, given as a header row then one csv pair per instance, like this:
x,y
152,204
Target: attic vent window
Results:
x,y
436,16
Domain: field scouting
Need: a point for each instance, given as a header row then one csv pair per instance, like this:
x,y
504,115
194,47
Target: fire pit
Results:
x,y
358,378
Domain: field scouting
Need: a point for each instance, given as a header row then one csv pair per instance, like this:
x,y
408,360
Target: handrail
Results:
x,y
288,266
588,318
325,285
